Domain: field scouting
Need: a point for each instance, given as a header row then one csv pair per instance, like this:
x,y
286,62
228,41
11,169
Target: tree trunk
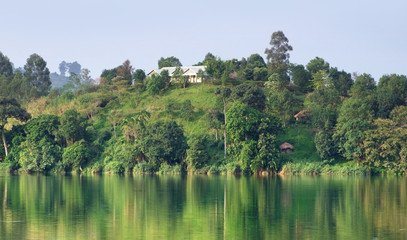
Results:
x,y
216,135
4,140
224,132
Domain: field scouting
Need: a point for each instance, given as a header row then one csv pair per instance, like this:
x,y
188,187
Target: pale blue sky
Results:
x,y
363,36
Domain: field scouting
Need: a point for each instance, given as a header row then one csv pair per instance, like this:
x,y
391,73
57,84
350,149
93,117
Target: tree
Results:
x,y
354,118
169,62
40,150
178,77
37,73
76,155
252,138
62,68
281,100
74,67
9,108
317,64
197,155
341,80
215,121
278,54
215,68
164,142
72,127
133,124
86,79
6,68
391,92
323,105
255,60
249,94
108,75
224,94
321,80
125,72
20,87
385,145
139,75
154,84
209,56
300,77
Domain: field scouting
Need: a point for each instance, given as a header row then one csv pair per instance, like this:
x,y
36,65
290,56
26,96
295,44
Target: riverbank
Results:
x,y
288,169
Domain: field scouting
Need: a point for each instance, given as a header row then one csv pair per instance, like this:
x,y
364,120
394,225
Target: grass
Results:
x,y
301,137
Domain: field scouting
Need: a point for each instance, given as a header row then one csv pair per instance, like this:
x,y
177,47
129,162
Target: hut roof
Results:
x,y
285,146
301,113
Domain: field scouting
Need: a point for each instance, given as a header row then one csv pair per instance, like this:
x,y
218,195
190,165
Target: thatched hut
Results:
x,y
286,148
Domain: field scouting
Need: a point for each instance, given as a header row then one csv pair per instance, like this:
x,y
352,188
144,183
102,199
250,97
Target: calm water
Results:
x,y
202,207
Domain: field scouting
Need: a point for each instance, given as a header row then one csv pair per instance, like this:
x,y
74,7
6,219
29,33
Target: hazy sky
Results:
x,y
354,35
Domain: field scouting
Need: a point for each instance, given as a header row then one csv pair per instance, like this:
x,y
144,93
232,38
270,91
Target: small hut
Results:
x,y
286,148
302,115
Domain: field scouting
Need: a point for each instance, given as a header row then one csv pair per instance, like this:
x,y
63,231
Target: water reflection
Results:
x,y
202,207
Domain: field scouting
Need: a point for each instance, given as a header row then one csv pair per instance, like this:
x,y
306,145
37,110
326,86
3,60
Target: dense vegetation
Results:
x,y
233,122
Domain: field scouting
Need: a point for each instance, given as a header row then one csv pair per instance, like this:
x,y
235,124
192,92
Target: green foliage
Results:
x,y
39,156
154,84
40,151
391,92
318,168
255,61
215,68
278,54
197,154
386,145
252,142
6,69
139,75
321,80
108,75
249,94
317,64
169,62
355,116
323,105
326,147
37,73
164,141
341,80
73,127
300,77
120,156
76,155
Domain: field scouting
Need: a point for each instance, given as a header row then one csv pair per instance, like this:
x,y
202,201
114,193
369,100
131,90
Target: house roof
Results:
x,y
171,70
286,145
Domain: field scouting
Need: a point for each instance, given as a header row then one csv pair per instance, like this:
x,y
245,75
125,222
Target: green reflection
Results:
x,y
202,207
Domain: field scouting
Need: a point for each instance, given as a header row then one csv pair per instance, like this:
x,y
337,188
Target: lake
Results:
x,y
202,207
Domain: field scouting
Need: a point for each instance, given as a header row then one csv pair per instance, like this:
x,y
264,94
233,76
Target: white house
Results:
x,y
191,71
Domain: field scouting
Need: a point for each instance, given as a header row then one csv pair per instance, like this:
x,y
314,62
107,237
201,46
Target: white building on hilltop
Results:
x,y
191,71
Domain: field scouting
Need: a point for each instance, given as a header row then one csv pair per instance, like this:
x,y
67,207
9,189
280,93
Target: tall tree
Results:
x,y
9,108
278,54
125,71
6,68
37,73
224,94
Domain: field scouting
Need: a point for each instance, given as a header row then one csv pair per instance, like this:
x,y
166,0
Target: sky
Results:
x,y
363,36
